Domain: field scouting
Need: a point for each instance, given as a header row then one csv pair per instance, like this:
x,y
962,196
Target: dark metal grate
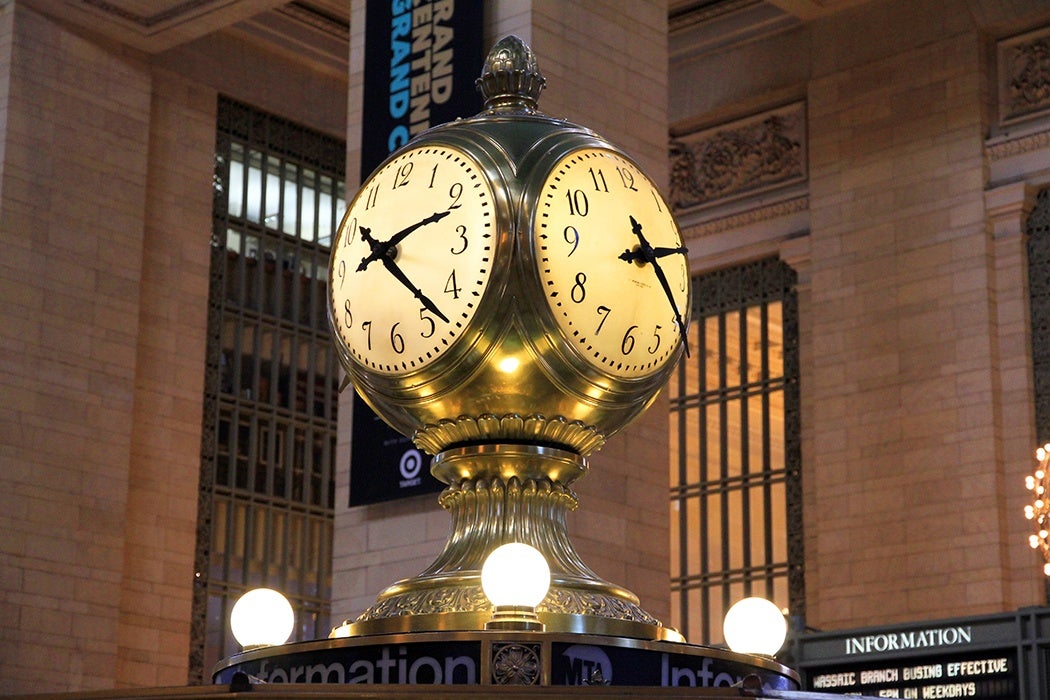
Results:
x,y
267,497
1038,230
1039,305
736,454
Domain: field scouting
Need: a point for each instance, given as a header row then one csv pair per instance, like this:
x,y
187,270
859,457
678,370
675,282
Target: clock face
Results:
x,y
412,259
611,263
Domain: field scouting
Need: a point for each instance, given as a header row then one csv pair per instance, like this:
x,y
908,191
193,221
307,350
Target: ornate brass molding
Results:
x,y
553,430
471,599
507,493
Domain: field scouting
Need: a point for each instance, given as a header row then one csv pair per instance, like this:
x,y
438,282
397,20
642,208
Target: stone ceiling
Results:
x,y
155,26
321,28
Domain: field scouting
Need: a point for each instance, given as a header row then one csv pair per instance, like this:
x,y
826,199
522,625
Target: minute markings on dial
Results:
x,y
587,193
381,328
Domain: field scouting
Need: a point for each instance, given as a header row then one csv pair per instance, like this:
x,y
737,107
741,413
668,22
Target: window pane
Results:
x,y
730,528
272,493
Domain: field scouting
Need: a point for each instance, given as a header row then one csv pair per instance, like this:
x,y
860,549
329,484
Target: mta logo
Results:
x,y
585,663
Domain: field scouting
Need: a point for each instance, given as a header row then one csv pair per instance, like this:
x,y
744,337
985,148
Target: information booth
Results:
x,y
993,657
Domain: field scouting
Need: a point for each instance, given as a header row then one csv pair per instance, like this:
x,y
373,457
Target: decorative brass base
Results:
x,y
503,493
512,428
515,618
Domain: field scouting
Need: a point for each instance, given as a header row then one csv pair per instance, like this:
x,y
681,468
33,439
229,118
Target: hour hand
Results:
x,y
645,252
656,253
366,236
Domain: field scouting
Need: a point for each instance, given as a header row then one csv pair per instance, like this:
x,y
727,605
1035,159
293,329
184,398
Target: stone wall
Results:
x,y
917,429
74,197
105,204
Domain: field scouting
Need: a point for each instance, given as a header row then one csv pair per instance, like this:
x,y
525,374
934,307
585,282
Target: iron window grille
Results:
x,y
736,518
266,500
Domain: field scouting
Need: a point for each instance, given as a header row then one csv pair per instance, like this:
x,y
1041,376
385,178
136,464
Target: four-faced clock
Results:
x,y
412,259
611,263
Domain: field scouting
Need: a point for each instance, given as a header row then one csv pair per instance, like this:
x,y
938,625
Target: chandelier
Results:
x,y
1039,510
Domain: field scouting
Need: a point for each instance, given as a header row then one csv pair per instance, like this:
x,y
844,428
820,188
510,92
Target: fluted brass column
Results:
x,y
508,493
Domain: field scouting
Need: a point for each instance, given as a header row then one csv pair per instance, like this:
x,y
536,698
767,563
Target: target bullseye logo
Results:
x,y
410,466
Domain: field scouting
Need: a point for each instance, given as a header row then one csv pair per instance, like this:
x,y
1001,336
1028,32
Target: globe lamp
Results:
x,y
755,626
515,578
262,617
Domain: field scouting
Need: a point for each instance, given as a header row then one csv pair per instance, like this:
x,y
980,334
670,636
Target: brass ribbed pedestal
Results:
x,y
503,493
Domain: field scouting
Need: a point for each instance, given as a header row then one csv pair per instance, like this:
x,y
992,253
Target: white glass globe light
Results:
x,y
262,617
515,574
755,626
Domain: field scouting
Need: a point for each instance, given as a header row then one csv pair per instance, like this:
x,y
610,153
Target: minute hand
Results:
x,y
647,254
401,277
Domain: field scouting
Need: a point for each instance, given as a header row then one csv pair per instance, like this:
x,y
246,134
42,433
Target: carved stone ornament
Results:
x,y
740,158
1024,76
750,217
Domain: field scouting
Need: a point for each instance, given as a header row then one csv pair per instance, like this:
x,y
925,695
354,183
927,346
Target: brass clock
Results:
x,y
510,290
611,263
412,259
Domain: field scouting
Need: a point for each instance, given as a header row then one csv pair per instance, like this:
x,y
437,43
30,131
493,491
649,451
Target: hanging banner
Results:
x,y
421,60
384,464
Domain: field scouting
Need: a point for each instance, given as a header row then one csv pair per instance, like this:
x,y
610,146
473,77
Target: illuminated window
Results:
x,y
736,525
268,448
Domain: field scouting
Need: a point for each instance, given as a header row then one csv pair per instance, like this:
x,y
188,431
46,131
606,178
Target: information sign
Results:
x,y
583,664
979,657
989,676
432,663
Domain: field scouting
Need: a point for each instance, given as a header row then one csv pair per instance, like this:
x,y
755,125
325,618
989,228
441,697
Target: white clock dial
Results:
x,y
611,263
412,259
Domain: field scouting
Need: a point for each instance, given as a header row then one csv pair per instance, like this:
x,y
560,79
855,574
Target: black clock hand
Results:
x,y
657,252
647,254
667,290
366,236
400,235
381,249
401,277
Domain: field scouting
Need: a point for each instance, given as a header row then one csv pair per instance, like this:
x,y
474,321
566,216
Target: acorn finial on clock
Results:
x,y
511,79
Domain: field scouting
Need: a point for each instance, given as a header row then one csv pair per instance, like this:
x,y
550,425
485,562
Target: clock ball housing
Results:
x,y
508,277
